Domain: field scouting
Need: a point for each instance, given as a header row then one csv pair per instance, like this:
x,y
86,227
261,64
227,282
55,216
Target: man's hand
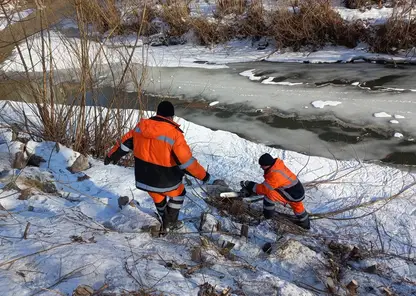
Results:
x,y
208,180
248,184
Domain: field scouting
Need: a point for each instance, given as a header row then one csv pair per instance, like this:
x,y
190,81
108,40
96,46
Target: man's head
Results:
x,y
166,109
266,161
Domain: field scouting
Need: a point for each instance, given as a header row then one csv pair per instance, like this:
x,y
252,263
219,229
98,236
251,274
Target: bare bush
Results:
x,y
77,118
354,4
396,34
140,19
212,31
314,24
225,7
177,16
255,22
103,14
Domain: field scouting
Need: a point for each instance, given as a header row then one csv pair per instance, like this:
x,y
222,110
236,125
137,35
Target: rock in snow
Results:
x,y
79,165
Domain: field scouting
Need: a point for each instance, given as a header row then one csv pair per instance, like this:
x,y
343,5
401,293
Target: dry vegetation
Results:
x,y
392,36
76,120
354,4
311,23
314,23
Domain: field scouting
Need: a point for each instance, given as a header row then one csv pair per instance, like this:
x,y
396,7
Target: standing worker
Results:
x,y
280,185
162,157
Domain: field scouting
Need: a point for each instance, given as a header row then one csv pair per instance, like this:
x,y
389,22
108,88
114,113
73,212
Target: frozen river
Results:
x,y
342,110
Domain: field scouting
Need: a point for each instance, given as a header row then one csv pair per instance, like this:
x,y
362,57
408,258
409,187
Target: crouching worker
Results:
x,y
280,185
162,157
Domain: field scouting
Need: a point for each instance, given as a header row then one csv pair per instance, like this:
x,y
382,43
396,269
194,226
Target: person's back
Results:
x,y
162,157
284,181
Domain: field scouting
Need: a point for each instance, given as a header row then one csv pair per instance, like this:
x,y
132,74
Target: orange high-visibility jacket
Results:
x,y
280,182
161,154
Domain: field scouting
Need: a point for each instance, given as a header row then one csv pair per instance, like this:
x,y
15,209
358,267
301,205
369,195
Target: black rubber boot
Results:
x,y
170,218
306,224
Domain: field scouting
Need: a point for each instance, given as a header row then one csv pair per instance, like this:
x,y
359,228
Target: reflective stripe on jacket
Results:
x,y
279,181
161,154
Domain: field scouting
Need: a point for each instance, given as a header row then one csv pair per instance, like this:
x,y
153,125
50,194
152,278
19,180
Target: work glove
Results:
x,y
247,187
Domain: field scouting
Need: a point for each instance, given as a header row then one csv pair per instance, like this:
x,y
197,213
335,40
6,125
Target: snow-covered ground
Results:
x,y
79,236
112,51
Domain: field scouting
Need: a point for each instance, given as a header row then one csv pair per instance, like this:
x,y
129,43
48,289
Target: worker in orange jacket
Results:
x,y
280,186
162,157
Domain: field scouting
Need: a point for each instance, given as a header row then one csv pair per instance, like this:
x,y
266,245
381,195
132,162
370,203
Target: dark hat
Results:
x,y
165,109
266,159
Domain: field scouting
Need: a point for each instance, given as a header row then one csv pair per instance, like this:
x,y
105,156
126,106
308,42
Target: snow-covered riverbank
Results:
x,y
68,228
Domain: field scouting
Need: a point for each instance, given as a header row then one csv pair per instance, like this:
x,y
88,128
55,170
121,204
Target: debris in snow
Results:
x,y
399,116
394,121
208,222
382,115
322,104
35,160
122,201
214,103
387,291
49,187
196,254
330,285
25,194
398,135
83,290
19,161
352,287
244,230
79,165
209,290
267,248
371,269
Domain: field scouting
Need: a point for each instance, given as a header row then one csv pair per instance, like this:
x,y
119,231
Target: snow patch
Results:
x,y
270,81
394,121
250,74
381,115
322,104
14,18
214,103
398,135
399,116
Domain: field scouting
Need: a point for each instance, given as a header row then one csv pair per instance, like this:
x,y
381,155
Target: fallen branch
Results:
x,y
26,230
366,204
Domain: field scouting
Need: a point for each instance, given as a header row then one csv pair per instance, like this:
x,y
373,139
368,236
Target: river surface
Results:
x,y
240,99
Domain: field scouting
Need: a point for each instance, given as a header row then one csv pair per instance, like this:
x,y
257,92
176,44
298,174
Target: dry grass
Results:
x,y
314,24
212,31
255,23
225,7
355,4
142,23
176,15
395,34
102,14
